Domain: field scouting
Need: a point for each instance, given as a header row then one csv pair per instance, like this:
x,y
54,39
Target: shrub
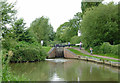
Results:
x,y
28,52
8,44
106,48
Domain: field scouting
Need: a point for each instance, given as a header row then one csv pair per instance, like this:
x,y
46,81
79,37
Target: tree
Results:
x,y
100,24
51,34
7,12
63,32
20,32
42,29
18,28
69,29
85,5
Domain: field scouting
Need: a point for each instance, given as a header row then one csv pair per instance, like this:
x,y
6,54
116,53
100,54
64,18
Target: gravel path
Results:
x,y
85,52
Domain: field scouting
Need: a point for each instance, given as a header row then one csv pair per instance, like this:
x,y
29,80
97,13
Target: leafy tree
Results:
x,y
42,29
85,5
51,34
69,29
60,34
18,28
7,12
100,24
20,32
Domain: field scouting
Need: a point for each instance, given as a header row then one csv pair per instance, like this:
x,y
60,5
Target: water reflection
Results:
x,y
65,70
56,78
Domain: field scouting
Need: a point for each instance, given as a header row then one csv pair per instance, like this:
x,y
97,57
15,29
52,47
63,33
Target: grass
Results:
x,y
108,55
46,48
79,53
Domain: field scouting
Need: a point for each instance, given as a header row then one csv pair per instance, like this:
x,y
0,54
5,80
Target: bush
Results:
x,y
8,44
28,52
106,48
75,40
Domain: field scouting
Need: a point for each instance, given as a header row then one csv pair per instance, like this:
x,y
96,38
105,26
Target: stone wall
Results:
x,y
52,53
56,52
69,54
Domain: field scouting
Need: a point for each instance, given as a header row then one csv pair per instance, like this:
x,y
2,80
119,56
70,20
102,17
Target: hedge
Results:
x,y
107,48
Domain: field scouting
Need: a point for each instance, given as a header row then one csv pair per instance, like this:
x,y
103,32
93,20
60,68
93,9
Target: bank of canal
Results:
x,y
65,70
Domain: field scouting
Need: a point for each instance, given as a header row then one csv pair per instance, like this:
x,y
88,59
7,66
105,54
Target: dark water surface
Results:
x,y
65,70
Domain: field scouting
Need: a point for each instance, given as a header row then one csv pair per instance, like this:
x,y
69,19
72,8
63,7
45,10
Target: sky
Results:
x,y
58,11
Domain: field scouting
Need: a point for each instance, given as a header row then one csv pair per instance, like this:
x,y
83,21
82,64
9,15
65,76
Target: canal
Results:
x,y
65,70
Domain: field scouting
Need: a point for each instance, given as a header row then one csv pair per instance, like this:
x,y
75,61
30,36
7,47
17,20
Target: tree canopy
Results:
x,y
85,5
69,29
100,24
42,29
7,11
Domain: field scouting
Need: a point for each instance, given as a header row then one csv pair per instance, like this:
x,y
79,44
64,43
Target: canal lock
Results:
x,y
56,52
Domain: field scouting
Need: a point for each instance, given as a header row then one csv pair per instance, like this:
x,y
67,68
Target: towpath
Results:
x,y
85,52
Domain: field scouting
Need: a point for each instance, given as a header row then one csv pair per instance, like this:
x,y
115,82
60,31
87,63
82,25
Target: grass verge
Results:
x,y
107,55
79,53
46,48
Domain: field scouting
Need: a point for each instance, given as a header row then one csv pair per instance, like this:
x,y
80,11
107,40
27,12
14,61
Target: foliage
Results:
x,y
85,5
100,24
42,29
75,40
47,49
18,29
7,16
20,32
18,40
67,30
6,74
12,28
106,48
28,52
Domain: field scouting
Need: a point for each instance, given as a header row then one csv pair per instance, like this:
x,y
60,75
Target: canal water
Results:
x,y
65,70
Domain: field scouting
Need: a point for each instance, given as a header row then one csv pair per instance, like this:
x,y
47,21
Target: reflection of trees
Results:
x,y
34,71
85,71
71,70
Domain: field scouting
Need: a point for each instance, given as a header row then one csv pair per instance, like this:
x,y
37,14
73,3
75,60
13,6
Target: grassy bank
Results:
x,y
79,53
46,48
107,54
